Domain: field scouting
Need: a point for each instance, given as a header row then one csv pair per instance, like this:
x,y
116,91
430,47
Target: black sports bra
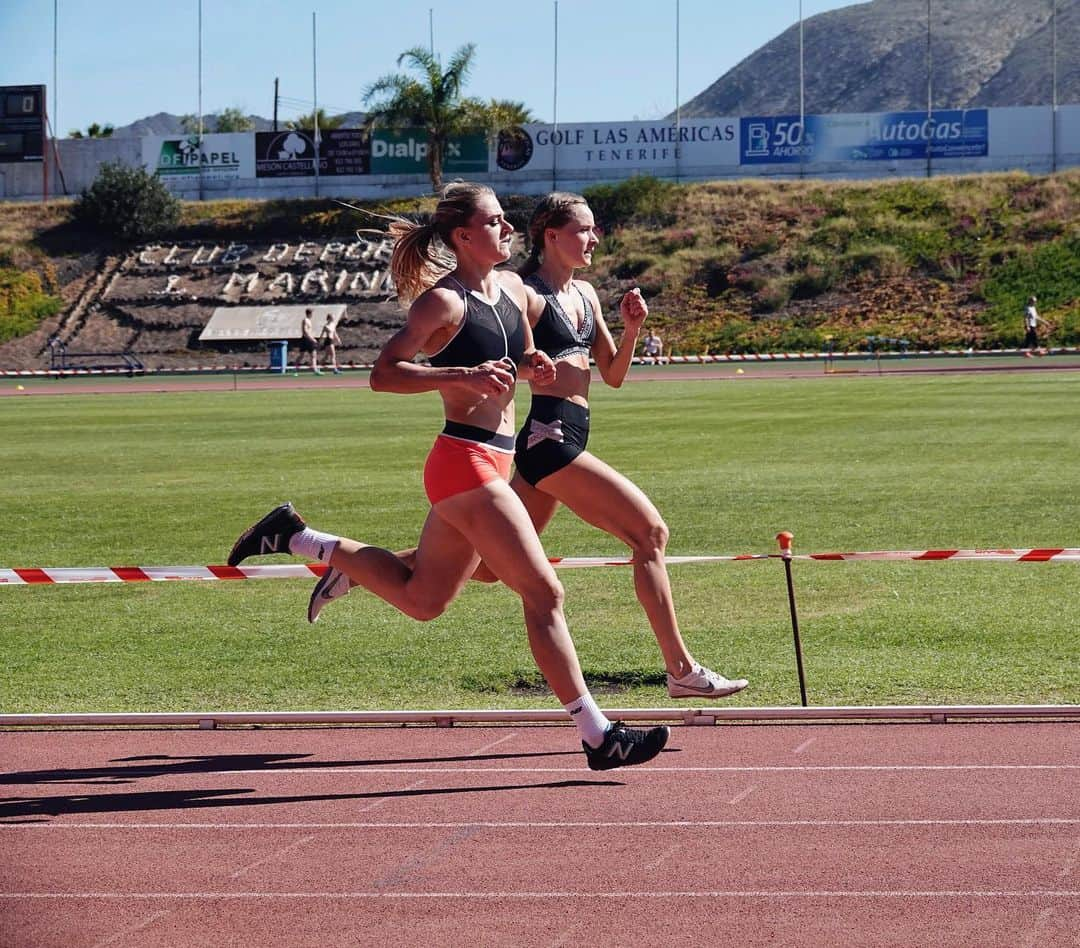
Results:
x,y
487,332
555,332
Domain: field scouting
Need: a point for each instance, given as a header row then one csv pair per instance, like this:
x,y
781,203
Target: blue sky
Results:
x,y
120,60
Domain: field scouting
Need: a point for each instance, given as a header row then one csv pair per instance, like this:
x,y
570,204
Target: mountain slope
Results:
x,y
872,57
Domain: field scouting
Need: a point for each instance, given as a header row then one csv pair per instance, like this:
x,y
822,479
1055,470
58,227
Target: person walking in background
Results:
x,y
1032,319
329,340
553,465
652,347
467,318
308,343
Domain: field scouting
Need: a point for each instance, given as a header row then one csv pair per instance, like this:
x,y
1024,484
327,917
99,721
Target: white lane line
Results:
x,y
805,744
124,932
1035,936
655,864
1070,863
487,747
577,894
741,796
563,938
582,771
273,855
545,824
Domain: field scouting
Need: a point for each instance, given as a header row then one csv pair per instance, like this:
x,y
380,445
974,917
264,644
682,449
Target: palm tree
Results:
x,y
434,102
94,130
233,120
227,120
306,122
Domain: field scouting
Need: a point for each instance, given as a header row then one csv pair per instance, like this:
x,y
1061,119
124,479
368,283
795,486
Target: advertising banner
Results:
x,y
883,136
226,156
405,151
646,146
291,154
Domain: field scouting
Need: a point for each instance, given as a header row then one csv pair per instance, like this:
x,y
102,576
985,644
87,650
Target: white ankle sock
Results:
x,y
590,720
313,544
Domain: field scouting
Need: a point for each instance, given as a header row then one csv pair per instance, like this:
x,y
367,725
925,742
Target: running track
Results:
x,y
901,834
254,381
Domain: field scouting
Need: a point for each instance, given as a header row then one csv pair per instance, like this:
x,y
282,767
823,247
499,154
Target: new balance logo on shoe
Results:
x,y
269,535
625,746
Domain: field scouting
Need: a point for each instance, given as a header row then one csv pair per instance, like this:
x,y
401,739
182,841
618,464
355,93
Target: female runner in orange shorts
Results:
x,y
467,318
553,465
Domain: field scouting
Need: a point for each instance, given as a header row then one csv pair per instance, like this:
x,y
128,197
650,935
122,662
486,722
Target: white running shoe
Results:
x,y
703,683
333,584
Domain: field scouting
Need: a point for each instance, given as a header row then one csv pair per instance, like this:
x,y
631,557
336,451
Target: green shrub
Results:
x,y
641,198
23,303
797,339
876,259
772,296
813,281
129,203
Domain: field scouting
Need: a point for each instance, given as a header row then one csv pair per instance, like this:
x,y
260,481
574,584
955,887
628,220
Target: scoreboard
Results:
x,y
22,123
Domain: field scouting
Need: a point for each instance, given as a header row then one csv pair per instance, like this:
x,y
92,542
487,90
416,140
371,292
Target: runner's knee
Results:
x,y
650,542
543,595
426,608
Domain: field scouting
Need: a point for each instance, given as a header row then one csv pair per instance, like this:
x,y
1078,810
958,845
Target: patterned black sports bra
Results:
x,y
487,332
555,332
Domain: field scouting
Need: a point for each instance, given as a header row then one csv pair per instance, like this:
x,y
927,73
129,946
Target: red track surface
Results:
x,y
250,381
960,834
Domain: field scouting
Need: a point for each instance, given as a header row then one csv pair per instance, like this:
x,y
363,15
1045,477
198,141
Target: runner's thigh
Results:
x,y
600,495
445,559
496,522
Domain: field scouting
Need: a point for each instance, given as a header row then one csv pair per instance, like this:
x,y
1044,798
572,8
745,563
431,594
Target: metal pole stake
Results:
x,y
784,538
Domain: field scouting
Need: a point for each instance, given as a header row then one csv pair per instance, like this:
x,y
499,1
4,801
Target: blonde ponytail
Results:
x,y
423,254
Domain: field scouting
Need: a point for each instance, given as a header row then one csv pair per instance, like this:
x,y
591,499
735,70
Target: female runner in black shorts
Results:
x,y
553,465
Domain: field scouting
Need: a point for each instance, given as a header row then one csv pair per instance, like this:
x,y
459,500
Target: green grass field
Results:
x,y
853,463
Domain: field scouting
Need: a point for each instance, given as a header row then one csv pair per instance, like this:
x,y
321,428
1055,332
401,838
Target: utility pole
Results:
x,y
200,144
678,107
802,97
276,80
1053,87
555,108
315,96
929,94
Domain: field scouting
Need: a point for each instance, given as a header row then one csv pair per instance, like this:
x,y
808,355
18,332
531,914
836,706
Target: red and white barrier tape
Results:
x,y
158,574
1021,556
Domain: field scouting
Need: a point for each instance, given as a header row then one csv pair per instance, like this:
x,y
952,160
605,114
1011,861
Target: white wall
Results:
x,y
1019,139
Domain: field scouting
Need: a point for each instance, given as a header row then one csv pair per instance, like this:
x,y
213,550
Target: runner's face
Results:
x,y
576,240
488,235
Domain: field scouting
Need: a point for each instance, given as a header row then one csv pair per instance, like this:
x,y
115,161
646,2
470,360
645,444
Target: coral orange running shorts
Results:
x,y
454,466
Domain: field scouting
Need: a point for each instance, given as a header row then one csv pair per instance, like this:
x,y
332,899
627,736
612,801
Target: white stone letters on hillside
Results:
x,y
240,272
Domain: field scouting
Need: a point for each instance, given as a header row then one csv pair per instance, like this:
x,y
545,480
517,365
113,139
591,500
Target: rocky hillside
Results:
x,y
871,57
725,266
166,123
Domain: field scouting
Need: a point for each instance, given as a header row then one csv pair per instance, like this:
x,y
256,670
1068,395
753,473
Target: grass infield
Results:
x,y
854,464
